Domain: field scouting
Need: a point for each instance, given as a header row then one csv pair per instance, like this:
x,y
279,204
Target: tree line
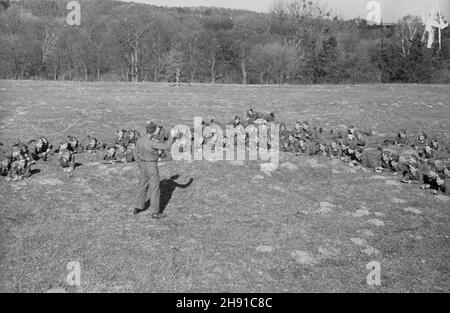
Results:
x,y
297,42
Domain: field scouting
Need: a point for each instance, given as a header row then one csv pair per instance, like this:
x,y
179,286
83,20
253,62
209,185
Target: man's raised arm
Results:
x,y
162,145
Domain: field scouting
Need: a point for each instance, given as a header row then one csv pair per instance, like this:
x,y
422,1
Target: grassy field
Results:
x,y
313,225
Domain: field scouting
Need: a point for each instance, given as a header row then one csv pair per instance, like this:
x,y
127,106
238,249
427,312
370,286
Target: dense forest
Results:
x,y
297,42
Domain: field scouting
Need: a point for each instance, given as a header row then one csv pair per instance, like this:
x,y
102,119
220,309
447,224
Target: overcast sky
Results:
x,y
391,10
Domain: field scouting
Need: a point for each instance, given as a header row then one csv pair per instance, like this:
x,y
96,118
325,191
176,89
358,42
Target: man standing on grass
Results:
x,y
146,155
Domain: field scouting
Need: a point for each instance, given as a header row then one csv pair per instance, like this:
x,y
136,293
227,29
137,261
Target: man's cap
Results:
x,y
151,127
395,158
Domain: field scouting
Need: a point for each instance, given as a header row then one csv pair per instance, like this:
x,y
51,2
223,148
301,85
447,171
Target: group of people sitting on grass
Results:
x,y
427,162
16,163
424,160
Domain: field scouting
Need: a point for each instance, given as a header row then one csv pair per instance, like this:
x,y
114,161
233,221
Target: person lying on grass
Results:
x,y
20,169
92,145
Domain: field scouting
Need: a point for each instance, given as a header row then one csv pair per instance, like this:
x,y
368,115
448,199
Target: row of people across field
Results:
x,y
427,161
428,164
16,164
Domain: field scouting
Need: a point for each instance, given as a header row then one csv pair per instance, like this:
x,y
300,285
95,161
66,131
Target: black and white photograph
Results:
x,y
224,151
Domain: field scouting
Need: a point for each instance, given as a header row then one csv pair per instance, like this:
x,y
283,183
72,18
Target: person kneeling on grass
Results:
x,y
66,158
73,144
110,154
360,139
38,150
402,138
293,145
395,166
124,154
5,165
321,149
133,136
420,141
429,176
442,185
92,145
333,150
445,169
121,137
20,169
413,174
356,157
384,162
251,116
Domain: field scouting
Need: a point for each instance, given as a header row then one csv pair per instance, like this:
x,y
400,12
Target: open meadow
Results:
x,y
313,225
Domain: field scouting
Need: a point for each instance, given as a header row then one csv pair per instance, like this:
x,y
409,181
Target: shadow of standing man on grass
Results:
x,y
167,187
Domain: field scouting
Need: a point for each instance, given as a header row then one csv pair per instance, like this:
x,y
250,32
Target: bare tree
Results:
x,y
291,19
48,44
174,63
407,29
245,34
130,27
